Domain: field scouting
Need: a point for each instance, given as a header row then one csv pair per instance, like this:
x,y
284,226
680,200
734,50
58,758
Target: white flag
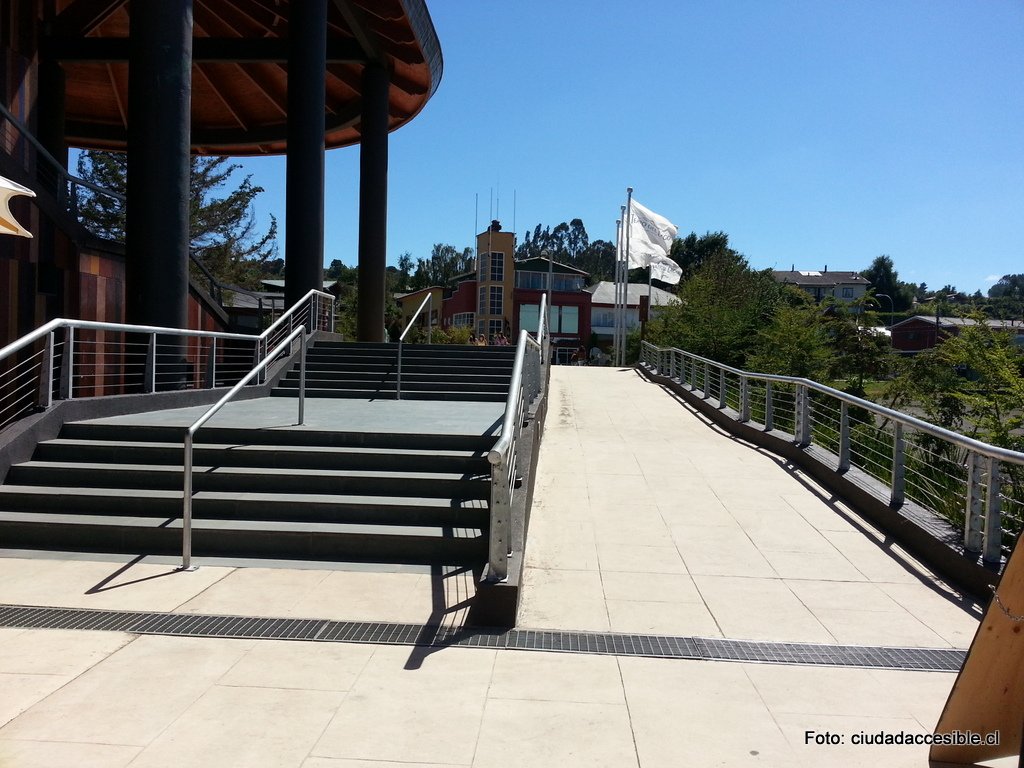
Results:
x,y
8,225
649,235
664,269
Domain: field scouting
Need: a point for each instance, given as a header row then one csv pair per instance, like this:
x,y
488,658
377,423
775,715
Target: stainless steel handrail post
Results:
x,y
993,540
213,363
46,376
398,371
899,452
844,437
769,408
972,509
302,378
721,388
67,369
186,512
150,367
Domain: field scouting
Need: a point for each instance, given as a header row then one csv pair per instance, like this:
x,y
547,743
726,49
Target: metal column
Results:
x,y
373,203
304,176
157,228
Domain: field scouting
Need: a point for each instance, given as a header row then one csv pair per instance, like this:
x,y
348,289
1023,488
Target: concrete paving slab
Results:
x,y
57,754
524,734
233,727
405,713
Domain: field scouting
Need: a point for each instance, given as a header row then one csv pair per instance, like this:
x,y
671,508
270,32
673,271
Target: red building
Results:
x,y
503,296
922,332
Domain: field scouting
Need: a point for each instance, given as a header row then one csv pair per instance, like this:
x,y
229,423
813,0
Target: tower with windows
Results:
x,y
495,275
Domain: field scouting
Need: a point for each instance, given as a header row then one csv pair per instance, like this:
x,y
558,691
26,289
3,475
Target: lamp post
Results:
x,y
545,254
892,309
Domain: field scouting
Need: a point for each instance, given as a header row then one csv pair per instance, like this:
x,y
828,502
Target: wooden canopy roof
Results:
x,y
240,72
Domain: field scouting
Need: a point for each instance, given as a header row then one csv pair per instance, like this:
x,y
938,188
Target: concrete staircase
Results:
x,y
429,372
283,493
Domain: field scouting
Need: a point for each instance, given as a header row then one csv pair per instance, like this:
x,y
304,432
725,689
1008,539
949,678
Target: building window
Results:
x,y
480,325
570,320
534,281
568,283
495,306
497,267
847,293
529,316
482,307
494,327
604,318
481,274
463,319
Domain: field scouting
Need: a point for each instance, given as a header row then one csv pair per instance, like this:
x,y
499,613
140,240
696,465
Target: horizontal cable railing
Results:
x,y
66,359
529,381
977,487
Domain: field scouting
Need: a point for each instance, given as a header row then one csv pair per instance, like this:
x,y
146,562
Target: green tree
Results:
x,y
796,343
222,230
692,251
970,383
885,280
722,307
1010,286
857,350
445,263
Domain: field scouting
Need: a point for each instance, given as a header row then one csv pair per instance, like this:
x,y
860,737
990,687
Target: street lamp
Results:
x,y
546,255
892,310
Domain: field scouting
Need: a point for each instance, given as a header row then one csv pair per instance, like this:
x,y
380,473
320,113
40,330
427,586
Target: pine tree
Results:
x,y
222,232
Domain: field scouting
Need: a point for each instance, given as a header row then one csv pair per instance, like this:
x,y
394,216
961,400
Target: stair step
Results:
x,y
389,394
86,430
391,376
438,365
436,349
276,456
245,538
452,384
323,508
245,479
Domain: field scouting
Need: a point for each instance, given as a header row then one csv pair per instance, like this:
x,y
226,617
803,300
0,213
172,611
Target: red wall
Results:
x,y
463,299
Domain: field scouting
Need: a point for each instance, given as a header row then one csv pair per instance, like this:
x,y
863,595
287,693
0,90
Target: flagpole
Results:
x,y
628,223
615,279
620,316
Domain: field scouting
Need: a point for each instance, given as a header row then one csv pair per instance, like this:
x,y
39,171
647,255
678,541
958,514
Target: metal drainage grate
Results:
x,y
614,644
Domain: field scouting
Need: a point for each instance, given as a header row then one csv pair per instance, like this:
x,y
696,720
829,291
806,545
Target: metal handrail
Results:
x,y
500,450
401,339
503,455
218,293
53,162
190,433
983,525
969,443
39,393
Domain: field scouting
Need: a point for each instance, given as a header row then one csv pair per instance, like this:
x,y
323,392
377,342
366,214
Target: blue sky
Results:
x,y
813,133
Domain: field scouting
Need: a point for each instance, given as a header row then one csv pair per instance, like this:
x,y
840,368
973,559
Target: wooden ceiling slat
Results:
x,y
199,69
83,16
